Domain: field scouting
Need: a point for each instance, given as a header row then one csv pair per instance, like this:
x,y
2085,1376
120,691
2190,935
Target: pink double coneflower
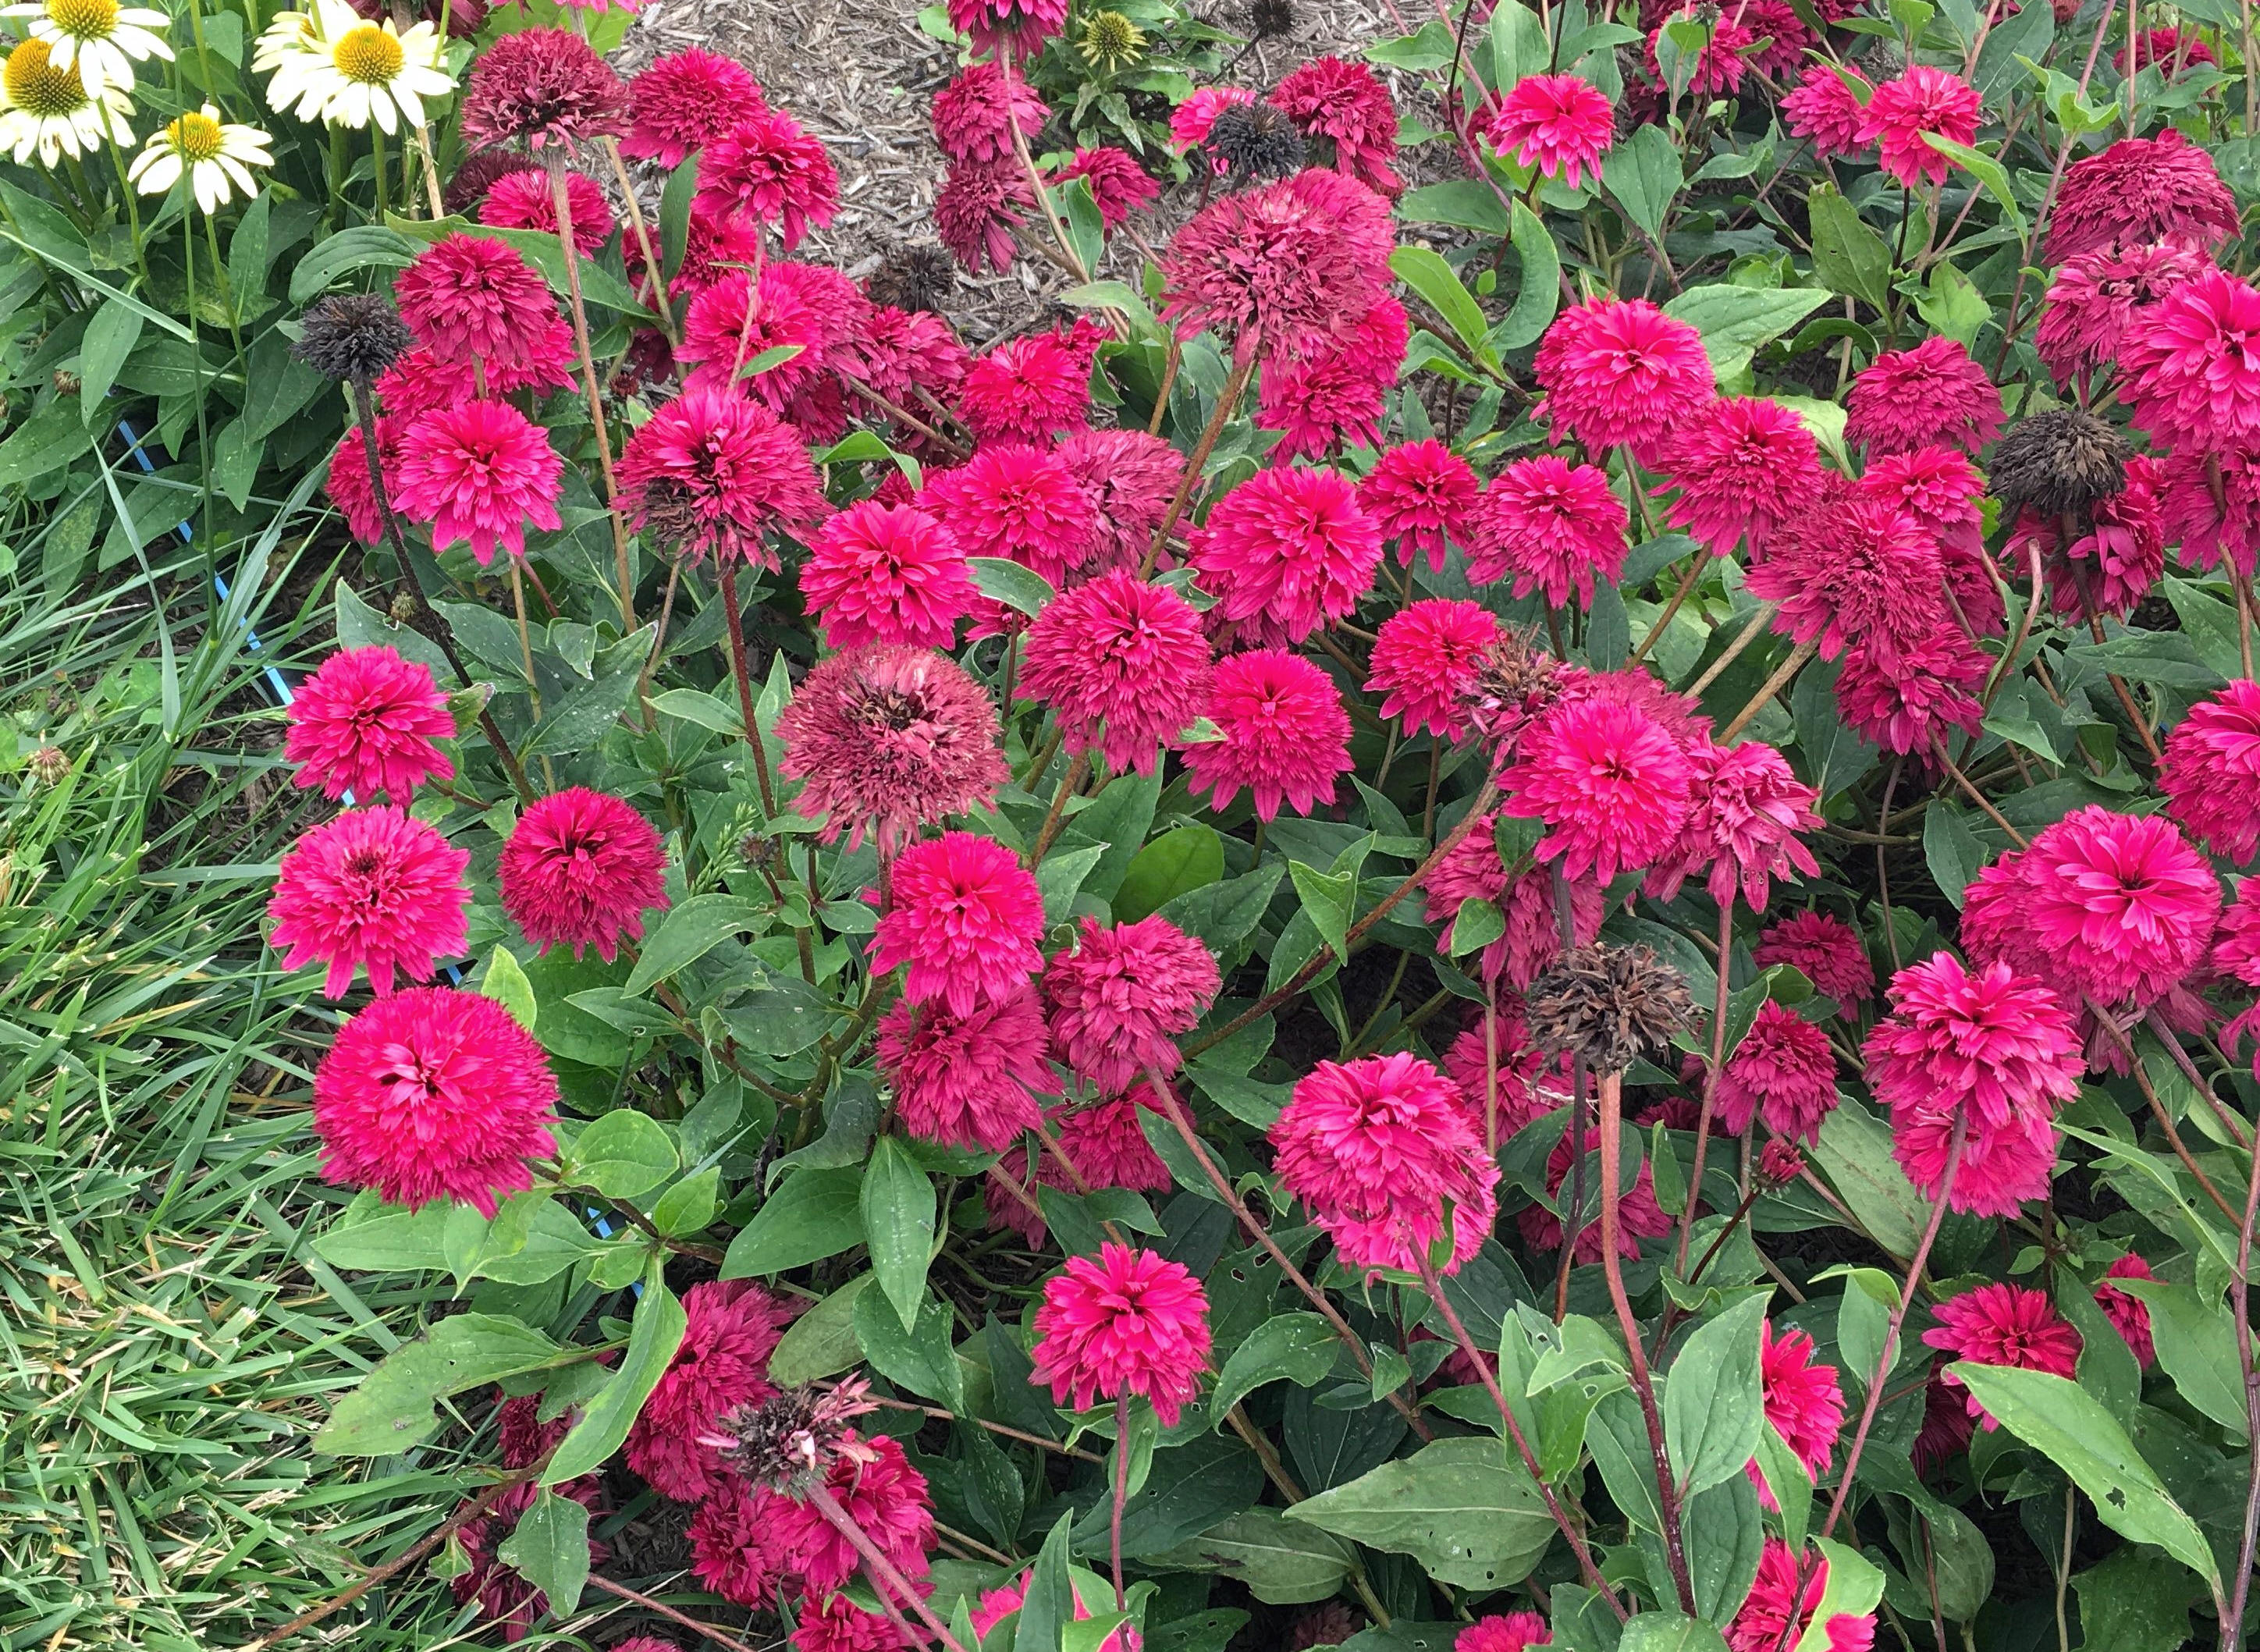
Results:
x,y
1271,270
1560,124
714,474
974,115
685,101
1741,466
1746,809
1782,1602
2096,295
971,1080
1782,1072
1933,394
1421,493
965,919
1609,783
372,890
1425,658
480,474
1123,995
1551,527
1622,372
1335,397
731,1328
1118,185
2190,364
369,723
1803,1403
1286,552
887,574
580,868
1122,1323
1329,98
2138,190
1282,731
2008,1326
768,169
1027,390
1827,952
1922,100
2211,775
1826,111
1124,664
1015,500
545,89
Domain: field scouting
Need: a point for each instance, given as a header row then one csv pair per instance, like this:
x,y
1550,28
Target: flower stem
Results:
x,y
1751,632
376,152
661,302
882,1572
1710,1080
1226,401
2239,1288
1122,1489
740,669
564,209
1770,687
1077,773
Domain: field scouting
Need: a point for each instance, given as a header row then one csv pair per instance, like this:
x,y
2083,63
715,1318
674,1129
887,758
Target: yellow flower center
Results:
x,y
84,19
37,86
366,53
195,138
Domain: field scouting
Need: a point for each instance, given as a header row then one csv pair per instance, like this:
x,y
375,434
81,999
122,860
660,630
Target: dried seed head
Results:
x,y
1256,140
351,335
789,1441
2060,462
913,277
1513,686
1607,1005
1269,19
403,607
48,764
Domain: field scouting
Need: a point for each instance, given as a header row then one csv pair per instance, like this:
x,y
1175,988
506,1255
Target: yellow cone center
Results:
x,y
195,138
37,86
366,53
83,19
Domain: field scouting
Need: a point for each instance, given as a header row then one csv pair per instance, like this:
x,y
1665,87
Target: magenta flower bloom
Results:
x,y
2190,364
1551,525
481,474
580,870
1803,1403
523,201
1621,371
966,919
1472,870
1421,493
2141,189
1013,501
967,1081
1904,698
1639,1216
971,112
2095,295
1745,809
1610,784
1189,120
372,889
1027,390
545,89
1933,394
1559,123
1328,98
1107,1145
685,101
731,1328
980,205
2130,1315
1922,100
1124,664
1504,1632
1425,658
1282,735
2211,775
1827,952
1854,571
2124,906
1743,466
2008,1326
714,473
1376,1149
841,1626
1784,1072
369,723
1939,488
435,1093
1118,185
736,320
1994,1042
1828,111
1775,1611
769,169
887,740
472,297
1270,271
887,574
1016,29
2212,528
346,481
1334,397
1122,996
1123,1322
1129,477
1286,552
882,1495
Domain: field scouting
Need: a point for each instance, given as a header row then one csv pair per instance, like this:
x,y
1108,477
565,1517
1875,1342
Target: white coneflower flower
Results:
x,y
218,157
339,68
100,38
44,107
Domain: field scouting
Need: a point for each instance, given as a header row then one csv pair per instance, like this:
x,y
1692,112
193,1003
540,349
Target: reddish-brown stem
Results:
x,y
885,1578
1078,772
1770,687
1678,598
663,305
1955,1142
665,1611
1227,400
564,207
1710,1079
2239,1288
740,668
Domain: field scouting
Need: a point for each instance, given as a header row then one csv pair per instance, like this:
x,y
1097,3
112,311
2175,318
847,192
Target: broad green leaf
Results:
x,y
1986,170
1181,860
822,1342
1440,288
1061,875
689,1205
1723,1530
549,1548
1852,1588
1642,173
653,1336
46,442
1466,204
1714,1405
2196,1344
919,1356
1282,1563
1855,1151
1951,850
1850,257
688,933
357,246
393,1407
505,982
1009,584
1735,320
622,1155
1540,294
1298,1347
1466,1509
1668,1632
2053,1415
110,334
1329,900
2135,1601
814,1213
899,1224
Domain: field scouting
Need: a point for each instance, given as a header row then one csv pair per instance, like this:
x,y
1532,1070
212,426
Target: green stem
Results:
x,y
376,143
227,290
133,206
196,374
337,173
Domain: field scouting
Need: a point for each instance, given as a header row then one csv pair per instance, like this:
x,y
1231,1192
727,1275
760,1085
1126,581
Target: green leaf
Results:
x,y
1724,1531
653,1336
2134,1602
358,247
1852,1588
1427,274
1951,849
540,248
623,1153
694,706
2055,1417
1223,914
689,1204
549,1548
1643,175
917,1356
110,334
1668,1632
505,982
1953,306
688,933
1855,1151
1735,320
1060,876
1848,256
1464,1508
46,442
675,215
236,453
1009,584
1282,1563
393,1407
1116,820
813,1214
1466,203
822,1342
1714,1405
1540,294
1297,1346
898,1220
1986,170
2196,1344
1431,48
1329,900
1181,860
1085,229
1833,756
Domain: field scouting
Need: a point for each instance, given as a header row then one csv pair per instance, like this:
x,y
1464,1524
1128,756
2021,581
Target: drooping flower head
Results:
x,y
1129,477
685,101
1107,1145
1027,390
889,574
1335,397
1608,781
1329,98
1123,995
1854,571
1377,1150
768,169
2141,189
1421,493
2211,775
1270,271
2190,364
481,474
1827,111
713,472
1287,551
838,1624
435,1093
971,112
1803,1403
369,723
1932,394
346,480
1009,500
1993,1041
881,1494
2004,1325
1551,525
1123,1322
1017,29
2095,295
1560,124
1922,100
731,1328
1282,735
1125,665
966,919
1118,185
2130,1315
1743,466
1827,952
580,870
967,1081
889,740
1904,697
1746,808
371,890
2121,904
979,206
1939,488
1621,371
1782,1602
1425,658
2209,502
545,89
1784,1072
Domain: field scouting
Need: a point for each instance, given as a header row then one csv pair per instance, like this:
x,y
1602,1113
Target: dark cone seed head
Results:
x,y
1607,1005
1269,19
913,277
1256,140
2060,462
351,335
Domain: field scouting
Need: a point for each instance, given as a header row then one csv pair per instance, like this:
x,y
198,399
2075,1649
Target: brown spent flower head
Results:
x,y
1256,140
352,336
1607,1005
1515,683
2060,462
913,276
47,765
1267,19
789,1441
